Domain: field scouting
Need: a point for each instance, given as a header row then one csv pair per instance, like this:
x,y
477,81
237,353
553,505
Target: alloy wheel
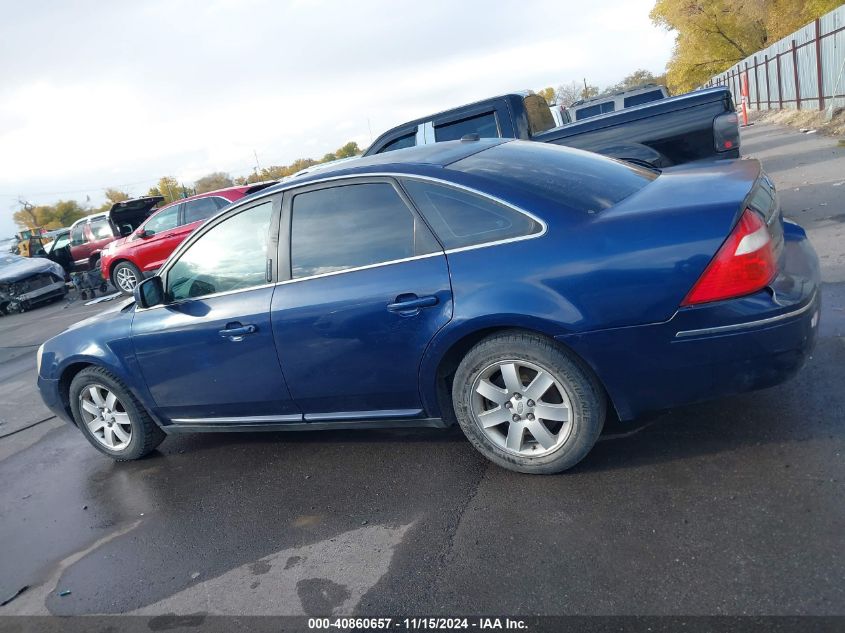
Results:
x,y
522,408
105,416
126,279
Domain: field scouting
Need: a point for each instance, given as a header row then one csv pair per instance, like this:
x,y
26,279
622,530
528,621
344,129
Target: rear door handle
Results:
x,y
409,304
236,331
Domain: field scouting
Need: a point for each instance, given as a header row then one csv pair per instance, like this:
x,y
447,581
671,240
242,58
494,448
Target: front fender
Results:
x,y
103,341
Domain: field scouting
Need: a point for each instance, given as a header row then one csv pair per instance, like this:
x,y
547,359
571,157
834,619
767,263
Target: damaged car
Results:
x,y
28,281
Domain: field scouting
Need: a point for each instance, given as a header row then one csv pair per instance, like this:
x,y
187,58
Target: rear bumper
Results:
x,y
712,350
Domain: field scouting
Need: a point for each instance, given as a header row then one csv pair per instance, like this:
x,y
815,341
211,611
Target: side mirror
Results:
x,y
146,233
149,292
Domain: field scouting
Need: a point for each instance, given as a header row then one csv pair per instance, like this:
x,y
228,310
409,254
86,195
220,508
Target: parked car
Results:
x,y
27,281
91,234
560,115
58,250
59,238
587,108
520,289
694,126
125,261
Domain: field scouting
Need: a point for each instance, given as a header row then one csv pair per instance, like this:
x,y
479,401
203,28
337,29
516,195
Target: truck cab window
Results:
x,y
409,140
484,125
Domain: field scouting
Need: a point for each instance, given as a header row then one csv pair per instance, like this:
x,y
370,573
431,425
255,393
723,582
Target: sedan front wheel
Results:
x,y
110,417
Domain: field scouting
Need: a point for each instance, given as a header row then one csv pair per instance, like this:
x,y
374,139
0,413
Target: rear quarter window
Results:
x,y
580,180
460,218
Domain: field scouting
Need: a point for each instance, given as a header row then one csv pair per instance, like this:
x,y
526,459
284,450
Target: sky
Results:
x,y
117,94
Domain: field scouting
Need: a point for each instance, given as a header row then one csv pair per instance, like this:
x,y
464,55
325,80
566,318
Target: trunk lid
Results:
x,y
133,212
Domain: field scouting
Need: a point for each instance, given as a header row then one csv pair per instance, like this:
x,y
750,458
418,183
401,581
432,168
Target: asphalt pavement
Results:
x,y
730,507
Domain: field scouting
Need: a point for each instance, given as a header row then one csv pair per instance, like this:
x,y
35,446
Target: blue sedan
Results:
x,y
523,291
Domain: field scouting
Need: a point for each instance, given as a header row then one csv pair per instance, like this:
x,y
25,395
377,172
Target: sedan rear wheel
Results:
x,y
526,404
126,276
522,408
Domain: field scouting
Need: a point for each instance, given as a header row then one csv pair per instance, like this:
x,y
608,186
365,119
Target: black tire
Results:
x,y
585,394
146,434
129,266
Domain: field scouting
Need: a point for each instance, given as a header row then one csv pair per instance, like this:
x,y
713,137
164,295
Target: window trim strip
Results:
x,y
396,176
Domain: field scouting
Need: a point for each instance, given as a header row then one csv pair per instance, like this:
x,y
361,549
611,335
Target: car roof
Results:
x,y
87,218
247,189
435,154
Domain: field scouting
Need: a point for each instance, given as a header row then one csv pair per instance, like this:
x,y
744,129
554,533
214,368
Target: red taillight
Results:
x,y
744,264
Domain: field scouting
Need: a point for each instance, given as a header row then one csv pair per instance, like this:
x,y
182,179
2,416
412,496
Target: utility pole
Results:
x,y
257,166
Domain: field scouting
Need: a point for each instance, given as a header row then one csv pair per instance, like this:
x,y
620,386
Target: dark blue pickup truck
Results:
x,y
694,126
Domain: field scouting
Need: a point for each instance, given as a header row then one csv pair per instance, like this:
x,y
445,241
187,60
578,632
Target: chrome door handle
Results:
x,y
237,332
411,304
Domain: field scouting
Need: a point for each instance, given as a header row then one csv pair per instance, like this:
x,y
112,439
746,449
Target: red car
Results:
x,y
91,234
125,261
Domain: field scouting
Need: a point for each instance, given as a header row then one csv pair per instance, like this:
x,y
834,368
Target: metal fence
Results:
x,y
805,70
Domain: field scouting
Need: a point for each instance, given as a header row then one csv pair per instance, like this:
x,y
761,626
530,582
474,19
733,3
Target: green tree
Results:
x,y
115,195
634,80
169,189
713,35
348,151
213,181
588,92
328,158
63,213
548,94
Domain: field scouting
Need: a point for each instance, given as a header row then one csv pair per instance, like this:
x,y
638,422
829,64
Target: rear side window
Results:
x,y
484,125
580,180
460,218
200,209
409,140
594,110
644,97
77,235
338,228
100,229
